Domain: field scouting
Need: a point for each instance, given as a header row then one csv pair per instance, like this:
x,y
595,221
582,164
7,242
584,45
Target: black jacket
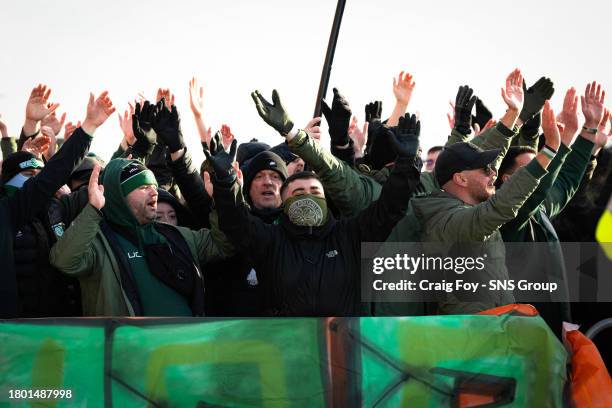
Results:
x,y
228,292
315,271
43,290
19,209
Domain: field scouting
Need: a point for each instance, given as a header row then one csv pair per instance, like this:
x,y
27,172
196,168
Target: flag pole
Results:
x,y
329,56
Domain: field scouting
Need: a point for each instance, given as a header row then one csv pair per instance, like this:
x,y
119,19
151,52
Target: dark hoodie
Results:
x,y
315,271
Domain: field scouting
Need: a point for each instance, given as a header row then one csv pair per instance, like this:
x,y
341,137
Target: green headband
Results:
x,y
137,180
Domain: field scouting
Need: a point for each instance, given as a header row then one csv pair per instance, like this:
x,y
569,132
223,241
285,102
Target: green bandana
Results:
x,y
306,210
139,179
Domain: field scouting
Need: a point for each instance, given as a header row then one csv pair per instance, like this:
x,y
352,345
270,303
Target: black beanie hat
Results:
x,y
83,171
265,160
282,150
249,150
18,162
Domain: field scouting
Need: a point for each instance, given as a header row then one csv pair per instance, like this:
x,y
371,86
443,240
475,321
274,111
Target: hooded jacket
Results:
x,y
315,271
354,189
93,249
22,207
446,219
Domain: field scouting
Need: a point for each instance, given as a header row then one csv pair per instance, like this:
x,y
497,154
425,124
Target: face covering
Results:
x,y
15,183
306,210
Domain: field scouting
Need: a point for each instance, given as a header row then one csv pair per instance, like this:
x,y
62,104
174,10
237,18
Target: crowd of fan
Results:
x,y
262,231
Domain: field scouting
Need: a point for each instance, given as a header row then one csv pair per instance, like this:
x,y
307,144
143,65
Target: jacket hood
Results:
x,y
116,209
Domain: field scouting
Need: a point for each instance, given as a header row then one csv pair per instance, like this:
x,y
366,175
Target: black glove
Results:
x,y
142,126
531,128
219,162
373,111
464,103
167,125
405,137
535,96
373,114
338,119
483,114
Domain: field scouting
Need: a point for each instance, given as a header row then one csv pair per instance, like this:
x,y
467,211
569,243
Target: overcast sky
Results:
x,y
235,47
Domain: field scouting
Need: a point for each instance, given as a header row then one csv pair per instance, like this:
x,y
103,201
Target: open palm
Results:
x,y
513,95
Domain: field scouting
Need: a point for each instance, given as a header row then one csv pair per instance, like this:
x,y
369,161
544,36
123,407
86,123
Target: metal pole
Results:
x,y
329,56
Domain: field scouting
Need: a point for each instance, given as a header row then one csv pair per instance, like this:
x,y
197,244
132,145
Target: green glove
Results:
x,y
273,114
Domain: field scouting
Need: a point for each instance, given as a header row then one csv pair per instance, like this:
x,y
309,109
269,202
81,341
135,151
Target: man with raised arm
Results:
x,y
467,209
533,221
25,196
127,263
311,259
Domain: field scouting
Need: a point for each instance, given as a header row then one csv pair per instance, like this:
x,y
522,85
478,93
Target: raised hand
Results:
x,y
569,117
513,94
593,104
98,110
48,132
95,191
549,125
483,115
125,123
602,137
38,106
52,121
219,162
313,129
196,97
405,137
69,129
403,87
3,128
535,96
373,112
206,136
338,118
227,137
359,136
273,113
142,126
451,115
373,115
37,146
488,125
167,125
464,103
167,96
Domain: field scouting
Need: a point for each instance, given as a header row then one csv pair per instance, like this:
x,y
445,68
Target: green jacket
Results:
x,y
447,219
533,224
85,251
352,190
